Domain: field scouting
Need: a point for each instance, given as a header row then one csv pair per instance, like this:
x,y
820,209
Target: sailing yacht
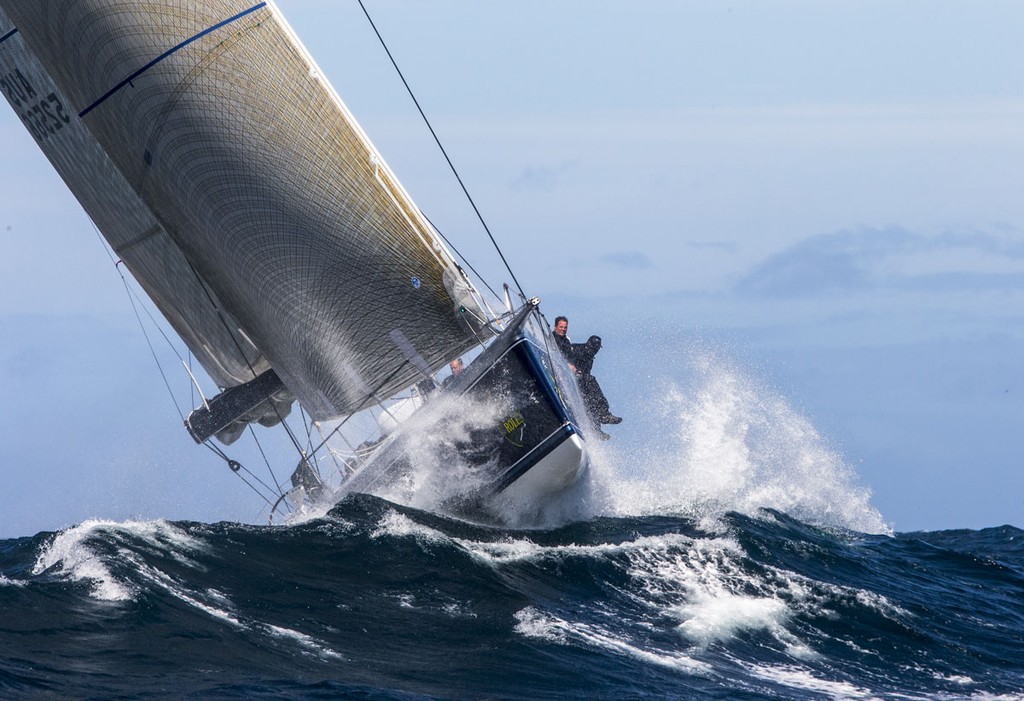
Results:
x,y
233,183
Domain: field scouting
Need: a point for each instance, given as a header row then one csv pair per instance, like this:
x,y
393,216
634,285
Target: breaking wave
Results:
x,y
385,601
730,554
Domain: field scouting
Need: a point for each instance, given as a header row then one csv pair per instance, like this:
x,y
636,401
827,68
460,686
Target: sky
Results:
x,y
823,197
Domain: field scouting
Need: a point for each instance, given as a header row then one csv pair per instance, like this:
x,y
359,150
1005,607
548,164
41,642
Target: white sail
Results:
x,y
125,220
221,166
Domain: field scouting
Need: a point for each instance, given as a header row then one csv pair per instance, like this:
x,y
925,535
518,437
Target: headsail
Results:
x,y
218,162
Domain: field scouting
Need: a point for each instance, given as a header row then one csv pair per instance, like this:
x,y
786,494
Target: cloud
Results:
x,y
628,260
893,258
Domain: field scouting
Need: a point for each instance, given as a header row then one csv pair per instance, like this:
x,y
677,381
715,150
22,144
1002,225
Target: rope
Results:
x,y
443,151
237,468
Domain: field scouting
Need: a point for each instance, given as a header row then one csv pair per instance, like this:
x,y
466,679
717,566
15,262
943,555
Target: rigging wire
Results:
x,y
136,303
132,299
270,469
443,151
152,350
234,465
238,347
372,395
238,468
464,259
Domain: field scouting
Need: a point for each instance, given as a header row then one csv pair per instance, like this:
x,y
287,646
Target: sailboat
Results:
x,y
233,183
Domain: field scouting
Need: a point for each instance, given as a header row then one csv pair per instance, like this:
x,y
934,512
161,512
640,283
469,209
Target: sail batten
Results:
x,y
254,189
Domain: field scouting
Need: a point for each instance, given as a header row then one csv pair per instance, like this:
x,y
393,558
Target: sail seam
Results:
x,y
144,236
8,35
168,53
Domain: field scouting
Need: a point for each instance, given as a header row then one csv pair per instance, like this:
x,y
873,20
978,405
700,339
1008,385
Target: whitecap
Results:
x,y
5,582
310,644
396,524
69,554
961,679
802,678
522,549
713,618
534,624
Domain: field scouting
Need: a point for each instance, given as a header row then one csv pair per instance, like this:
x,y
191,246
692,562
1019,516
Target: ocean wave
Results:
x,y
379,596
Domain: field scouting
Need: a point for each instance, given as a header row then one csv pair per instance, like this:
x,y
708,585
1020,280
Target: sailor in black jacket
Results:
x,y
581,360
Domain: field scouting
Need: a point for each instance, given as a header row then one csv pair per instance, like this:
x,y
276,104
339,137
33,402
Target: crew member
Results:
x,y
580,357
456,367
562,341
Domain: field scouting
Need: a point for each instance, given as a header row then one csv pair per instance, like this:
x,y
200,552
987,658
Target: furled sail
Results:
x,y
235,184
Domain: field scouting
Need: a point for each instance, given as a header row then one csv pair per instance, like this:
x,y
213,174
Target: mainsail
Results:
x,y
223,169
126,221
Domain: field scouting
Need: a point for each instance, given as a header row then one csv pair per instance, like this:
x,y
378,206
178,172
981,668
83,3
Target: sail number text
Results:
x,y
43,116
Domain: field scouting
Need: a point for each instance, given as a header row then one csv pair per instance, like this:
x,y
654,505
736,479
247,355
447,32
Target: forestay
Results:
x,y
227,174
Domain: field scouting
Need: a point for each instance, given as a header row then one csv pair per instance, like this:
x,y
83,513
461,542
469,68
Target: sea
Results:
x,y
739,559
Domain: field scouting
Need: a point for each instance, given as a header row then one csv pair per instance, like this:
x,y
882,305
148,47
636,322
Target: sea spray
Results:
x,y
435,471
713,440
444,466
726,441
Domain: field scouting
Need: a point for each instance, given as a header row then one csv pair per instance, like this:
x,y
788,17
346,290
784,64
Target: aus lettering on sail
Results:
x,y
43,116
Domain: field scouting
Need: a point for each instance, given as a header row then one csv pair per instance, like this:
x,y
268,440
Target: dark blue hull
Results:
x,y
535,447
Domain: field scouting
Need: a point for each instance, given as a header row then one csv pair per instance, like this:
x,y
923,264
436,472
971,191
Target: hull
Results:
x,y
539,446
556,469
529,446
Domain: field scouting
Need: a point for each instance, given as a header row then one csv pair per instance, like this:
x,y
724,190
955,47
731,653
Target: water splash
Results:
x,y
439,453
723,442
731,443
